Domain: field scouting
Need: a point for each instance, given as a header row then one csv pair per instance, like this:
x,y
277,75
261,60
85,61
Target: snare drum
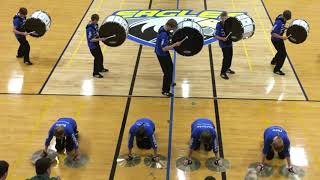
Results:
x,y
194,43
241,27
299,30
39,22
114,25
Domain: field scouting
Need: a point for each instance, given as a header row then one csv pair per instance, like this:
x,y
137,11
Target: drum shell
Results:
x,y
298,31
39,22
194,43
114,25
241,26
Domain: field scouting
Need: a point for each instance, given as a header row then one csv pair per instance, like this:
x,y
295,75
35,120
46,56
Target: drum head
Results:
x,y
298,34
233,25
111,28
35,25
190,46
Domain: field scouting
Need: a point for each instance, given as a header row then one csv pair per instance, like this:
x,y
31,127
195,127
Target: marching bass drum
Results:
x,y
241,27
191,45
39,22
298,31
114,25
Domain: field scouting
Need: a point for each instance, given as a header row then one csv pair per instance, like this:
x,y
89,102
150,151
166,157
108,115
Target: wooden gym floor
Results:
x,y
59,84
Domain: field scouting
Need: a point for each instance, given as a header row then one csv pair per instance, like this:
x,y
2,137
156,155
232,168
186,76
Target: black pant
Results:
x,y
281,55
270,154
167,69
207,147
24,49
66,142
98,60
227,59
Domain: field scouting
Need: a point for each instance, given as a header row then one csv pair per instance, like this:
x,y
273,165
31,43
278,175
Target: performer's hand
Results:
x,y
130,157
290,169
285,37
224,39
187,162
217,162
260,167
155,158
77,155
25,33
44,153
177,44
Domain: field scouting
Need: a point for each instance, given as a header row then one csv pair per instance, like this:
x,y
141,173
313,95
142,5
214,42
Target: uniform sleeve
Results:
x,y
287,147
131,138
90,34
71,133
193,140
277,27
153,141
266,146
16,23
50,136
162,40
218,30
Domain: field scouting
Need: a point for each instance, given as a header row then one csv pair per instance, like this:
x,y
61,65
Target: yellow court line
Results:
x,y
249,59
36,126
263,27
75,52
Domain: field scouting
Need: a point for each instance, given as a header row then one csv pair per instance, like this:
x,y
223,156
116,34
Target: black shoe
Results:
x,y
104,70
19,56
97,76
230,71
273,62
167,94
224,76
28,62
279,73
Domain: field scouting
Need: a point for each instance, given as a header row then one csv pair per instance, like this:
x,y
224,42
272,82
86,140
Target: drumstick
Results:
x,y
105,38
184,39
229,35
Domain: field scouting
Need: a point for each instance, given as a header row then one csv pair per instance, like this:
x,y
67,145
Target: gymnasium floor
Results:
x,y
59,84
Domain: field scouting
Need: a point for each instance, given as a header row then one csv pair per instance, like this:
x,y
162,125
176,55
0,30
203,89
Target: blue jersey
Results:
x,y
69,125
278,27
272,132
163,40
18,23
92,32
199,126
149,128
220,32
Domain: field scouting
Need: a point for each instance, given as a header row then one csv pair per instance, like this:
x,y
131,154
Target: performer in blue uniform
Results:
x,y
203,132
143,129
277,39
226,45
18,28
93,39
162,51
66,133
275,140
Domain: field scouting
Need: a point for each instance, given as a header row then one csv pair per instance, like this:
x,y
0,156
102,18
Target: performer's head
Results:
x,y
277,144
224,16
171,24
206,138
210,178
23,12
286,14
59,132
43,166
94,18
4,166
140,133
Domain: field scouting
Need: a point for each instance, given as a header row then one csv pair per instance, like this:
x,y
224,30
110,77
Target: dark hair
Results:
x,y
94,17
58,131
23,11
42,165
287,14
4,166
223,14
172,23
210,178
140,132
205,137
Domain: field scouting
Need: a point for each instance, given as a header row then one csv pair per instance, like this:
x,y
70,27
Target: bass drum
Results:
x,y
241,27
298,31
39,22
115,26
191,45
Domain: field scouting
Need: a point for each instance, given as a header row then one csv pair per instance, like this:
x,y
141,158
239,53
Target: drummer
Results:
x,y
203,132
143,129
93,44
66,133
18,22
226,45
277,38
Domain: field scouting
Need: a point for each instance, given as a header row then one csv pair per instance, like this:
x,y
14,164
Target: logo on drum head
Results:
x,y
145,24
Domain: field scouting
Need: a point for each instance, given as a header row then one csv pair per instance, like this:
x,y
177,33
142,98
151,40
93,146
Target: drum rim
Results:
x,y
301,20
254,27
201,30
45,12
117,22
